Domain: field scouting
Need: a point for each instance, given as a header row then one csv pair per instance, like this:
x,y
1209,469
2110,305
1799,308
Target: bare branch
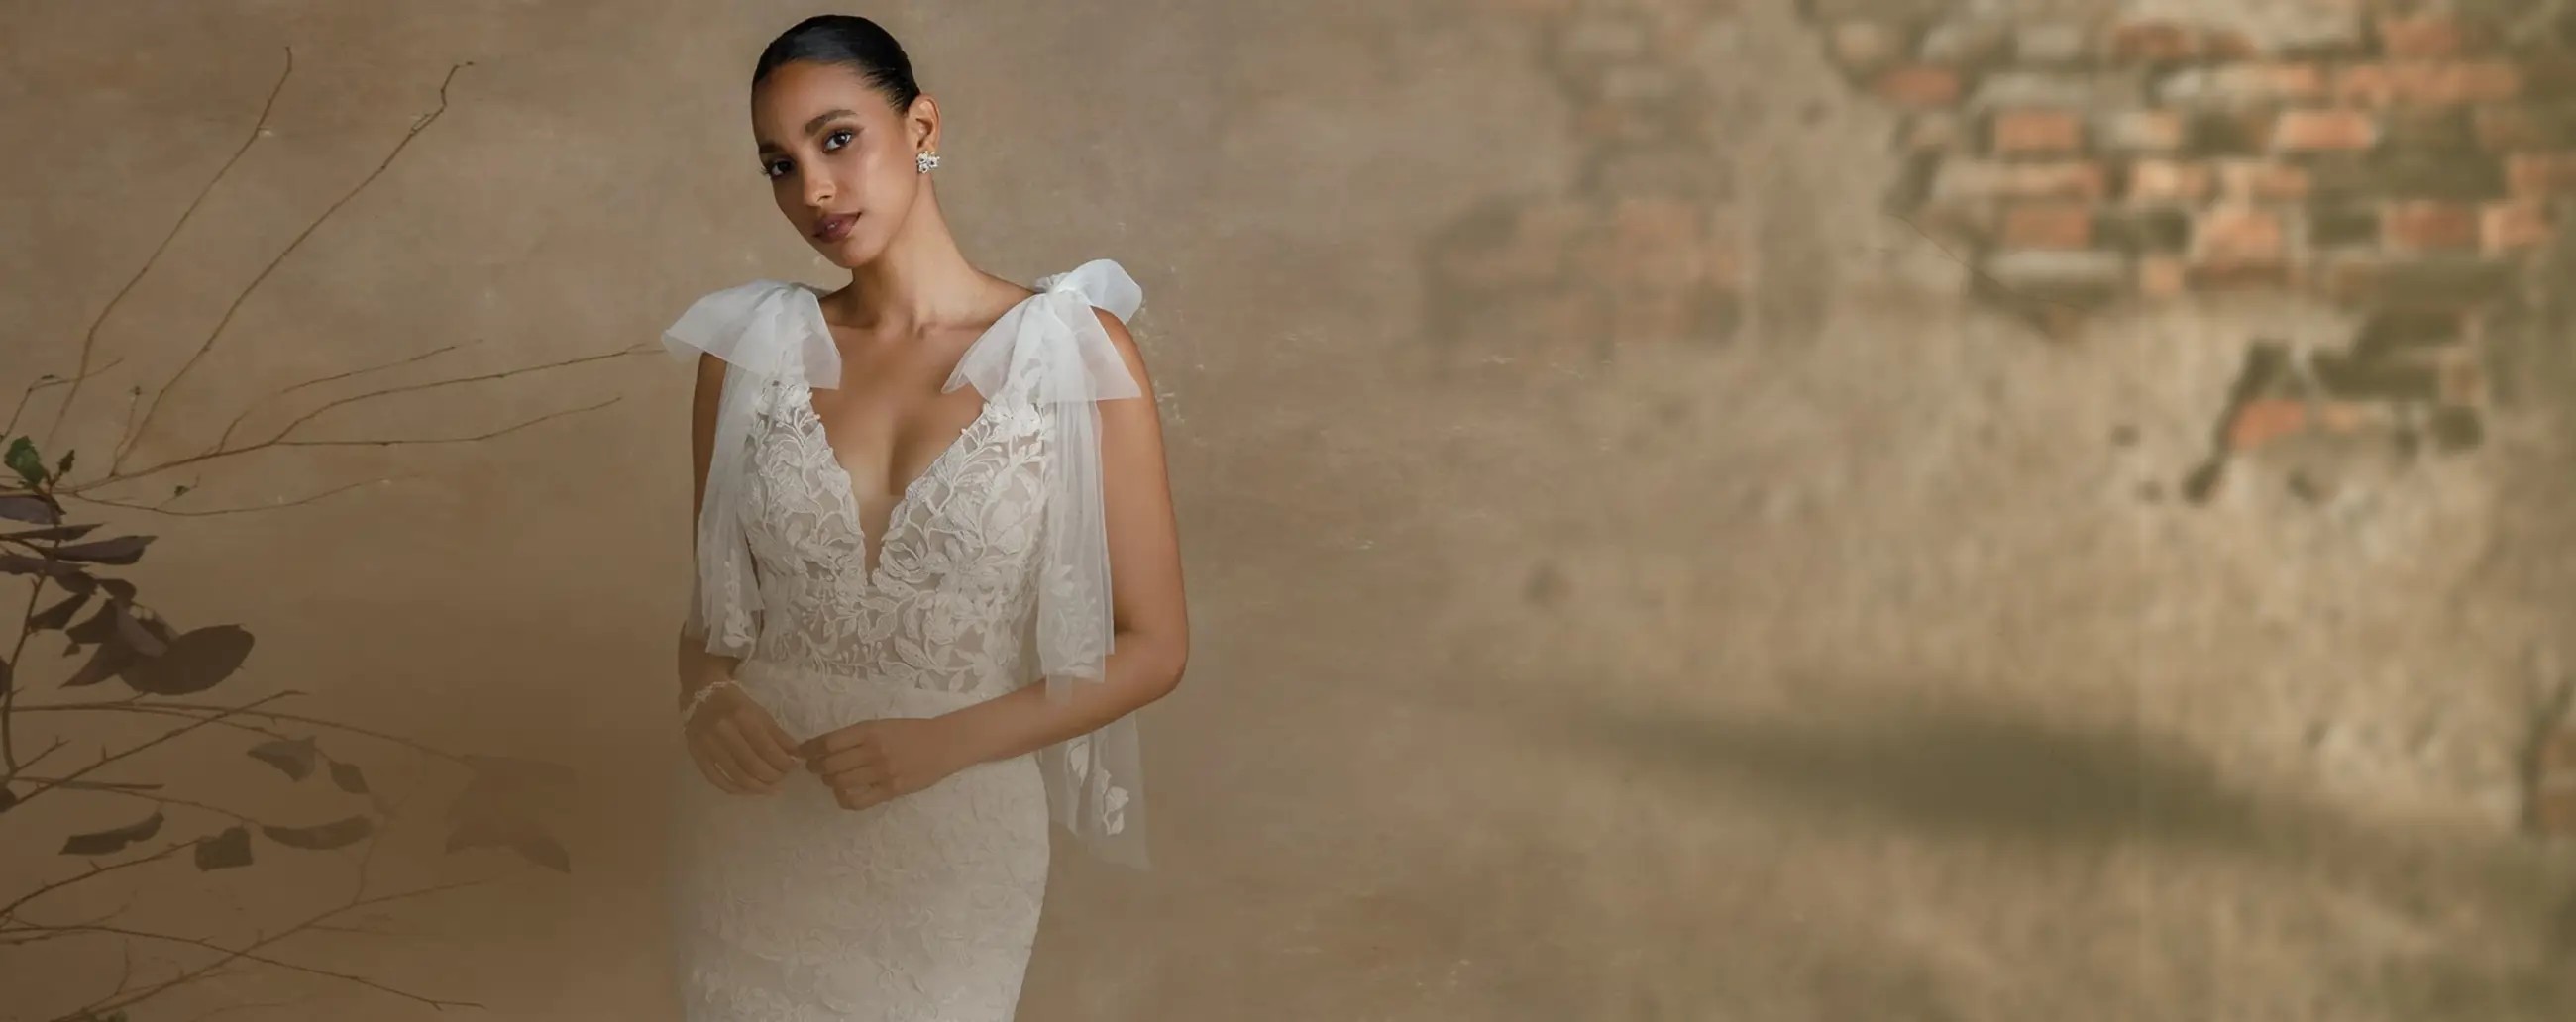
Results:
x,y
89,340
194,710
105,760
416,441
236,510
418,125
282,436
128,1000
247,954
11,909
44,382
226,439
129,791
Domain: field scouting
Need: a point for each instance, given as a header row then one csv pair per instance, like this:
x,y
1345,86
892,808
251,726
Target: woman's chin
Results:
x,y
848,253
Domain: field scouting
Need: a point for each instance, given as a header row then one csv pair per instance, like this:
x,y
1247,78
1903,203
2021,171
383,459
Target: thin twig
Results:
x,y
170,709
105,760
116,1002
247,954
129,792
419,125
11,909
235,510
44,382
282,436
89,340
225,440
420,441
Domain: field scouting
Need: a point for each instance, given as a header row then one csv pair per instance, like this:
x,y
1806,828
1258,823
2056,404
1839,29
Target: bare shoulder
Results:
x,y
1128,351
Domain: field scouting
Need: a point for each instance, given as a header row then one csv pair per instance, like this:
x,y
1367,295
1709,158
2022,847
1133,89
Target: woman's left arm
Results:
x,y
1151,617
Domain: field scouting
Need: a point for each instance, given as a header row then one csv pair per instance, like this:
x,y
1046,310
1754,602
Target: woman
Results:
x,y
905,653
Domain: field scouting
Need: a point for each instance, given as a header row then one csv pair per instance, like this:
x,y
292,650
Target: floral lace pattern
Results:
x,y
792,909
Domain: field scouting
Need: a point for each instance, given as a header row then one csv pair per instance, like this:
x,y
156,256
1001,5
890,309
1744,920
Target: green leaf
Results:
x,y
109,841
64,467
228,850
23,459
294,757
339,833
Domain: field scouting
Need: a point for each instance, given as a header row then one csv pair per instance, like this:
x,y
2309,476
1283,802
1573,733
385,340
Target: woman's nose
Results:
x,y
818,192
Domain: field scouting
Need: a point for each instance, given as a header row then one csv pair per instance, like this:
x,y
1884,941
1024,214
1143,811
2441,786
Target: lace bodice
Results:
x,y
993,570
951,599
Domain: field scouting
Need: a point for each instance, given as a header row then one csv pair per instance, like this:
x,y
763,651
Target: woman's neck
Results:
x,y
921,282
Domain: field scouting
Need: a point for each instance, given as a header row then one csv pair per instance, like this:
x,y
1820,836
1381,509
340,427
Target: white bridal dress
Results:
x,y
992,575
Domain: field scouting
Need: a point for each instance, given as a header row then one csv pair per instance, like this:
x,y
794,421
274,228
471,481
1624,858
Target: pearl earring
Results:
x,y
927,162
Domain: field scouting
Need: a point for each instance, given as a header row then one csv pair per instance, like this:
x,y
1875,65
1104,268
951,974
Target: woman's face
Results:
x,y
839,158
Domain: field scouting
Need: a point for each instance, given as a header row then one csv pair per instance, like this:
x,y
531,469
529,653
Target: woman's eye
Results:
x,y
773,169
842,136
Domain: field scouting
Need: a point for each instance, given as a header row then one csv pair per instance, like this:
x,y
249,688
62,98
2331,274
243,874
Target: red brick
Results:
x,y
2260,422
2428,226
2239,235
2168,181
2537,175
2145,131
2505,128
1863,47
1919,86
1970,179
2155,42
2505,228
2428,83
2421,36
2253,181
2038,132
2308,131
2048,225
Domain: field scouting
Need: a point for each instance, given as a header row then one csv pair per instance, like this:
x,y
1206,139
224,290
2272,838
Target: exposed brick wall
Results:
x,y
2410,162
2406,163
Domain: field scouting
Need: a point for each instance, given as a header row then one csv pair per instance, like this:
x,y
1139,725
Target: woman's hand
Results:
x,y
876,761
738,745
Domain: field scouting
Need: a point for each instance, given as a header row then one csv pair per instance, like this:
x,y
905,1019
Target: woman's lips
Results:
x,y
835,228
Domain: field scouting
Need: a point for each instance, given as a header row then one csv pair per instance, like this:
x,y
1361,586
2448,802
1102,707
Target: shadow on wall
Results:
x,y
1991,777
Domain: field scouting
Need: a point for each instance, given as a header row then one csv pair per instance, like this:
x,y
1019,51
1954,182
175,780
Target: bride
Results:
x,y
937,574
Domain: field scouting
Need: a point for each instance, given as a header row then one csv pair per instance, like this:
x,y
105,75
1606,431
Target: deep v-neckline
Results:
x,y
872,548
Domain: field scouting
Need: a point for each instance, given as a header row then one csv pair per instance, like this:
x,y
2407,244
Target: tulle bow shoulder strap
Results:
x,y
765,331
1052,352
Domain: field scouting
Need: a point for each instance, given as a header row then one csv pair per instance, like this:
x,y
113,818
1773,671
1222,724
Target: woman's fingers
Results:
x,y
747,762
766,739
710,761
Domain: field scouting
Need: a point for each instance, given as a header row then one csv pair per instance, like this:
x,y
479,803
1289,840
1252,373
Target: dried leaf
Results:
x,y
140,634
97,628
348,777
64,467
21,564
543,850
196,661
120,550
18,507
23,459
293,757
52,534
339,833
108,841
110,661
58,616
228,850
119,588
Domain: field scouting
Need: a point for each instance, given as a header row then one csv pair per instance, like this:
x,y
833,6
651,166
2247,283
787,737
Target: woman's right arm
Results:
x,y
736,744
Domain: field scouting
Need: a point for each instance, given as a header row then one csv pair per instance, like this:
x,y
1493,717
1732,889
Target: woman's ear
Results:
x,y
923,120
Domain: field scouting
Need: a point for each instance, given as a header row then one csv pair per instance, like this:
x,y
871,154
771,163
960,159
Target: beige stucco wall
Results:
x,y
1837,670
